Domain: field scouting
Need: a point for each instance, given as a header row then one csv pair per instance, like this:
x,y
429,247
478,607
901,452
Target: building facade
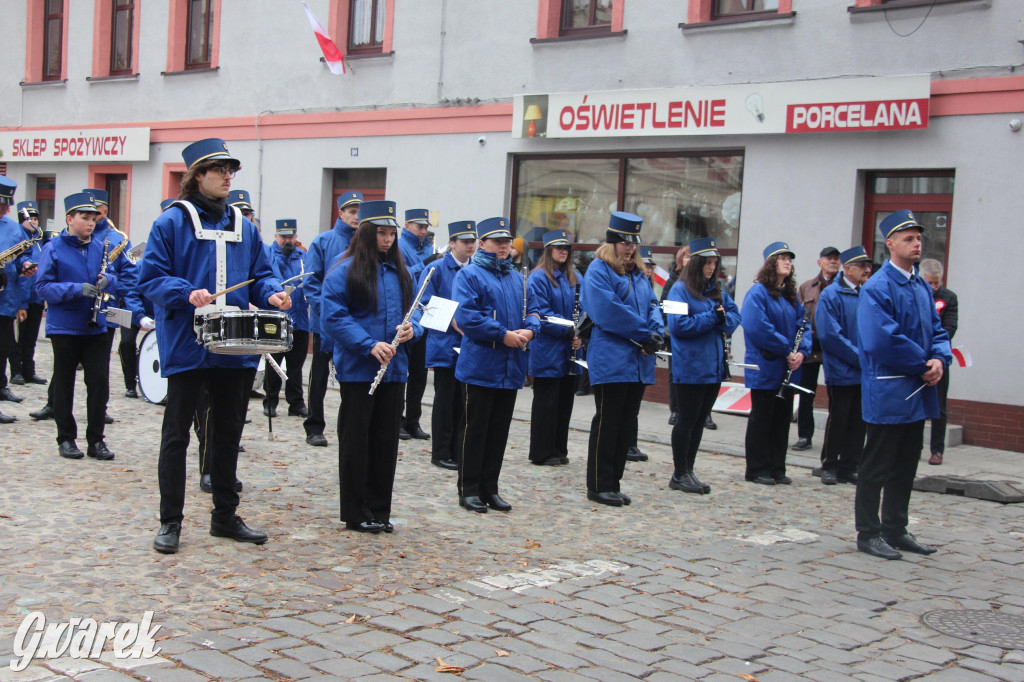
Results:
x,y
748,120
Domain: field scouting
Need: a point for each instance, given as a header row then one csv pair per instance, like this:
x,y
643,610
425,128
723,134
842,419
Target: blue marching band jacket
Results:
x,y
177,261
324,252
19,291
285,267
414,251
899,332
127,273
624,309
550,351
769,330
490,304
440,346
835,320
355,330
66,263
698,348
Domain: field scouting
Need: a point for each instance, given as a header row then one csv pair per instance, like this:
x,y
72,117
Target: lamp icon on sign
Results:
x,y
755,105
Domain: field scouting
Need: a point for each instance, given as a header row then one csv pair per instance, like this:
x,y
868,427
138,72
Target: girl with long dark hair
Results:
x,y
771,317
698,355
365,298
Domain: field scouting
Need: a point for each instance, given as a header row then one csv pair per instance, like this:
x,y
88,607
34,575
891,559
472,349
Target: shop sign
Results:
x,y
90,144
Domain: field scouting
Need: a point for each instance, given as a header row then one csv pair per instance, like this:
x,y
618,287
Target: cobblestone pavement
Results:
x,y
747,583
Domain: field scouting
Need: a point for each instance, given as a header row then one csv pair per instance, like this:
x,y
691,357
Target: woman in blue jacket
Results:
x,y
698,355
554,291
618,297
771,316
365,298
492,362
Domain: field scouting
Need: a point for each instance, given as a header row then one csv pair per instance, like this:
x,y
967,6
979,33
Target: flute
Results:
x,y
394,342
796,347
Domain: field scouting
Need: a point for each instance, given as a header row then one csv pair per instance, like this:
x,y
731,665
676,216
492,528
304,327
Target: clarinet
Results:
x,y
525,273
575,331
796,347
98,303
394,342
726,350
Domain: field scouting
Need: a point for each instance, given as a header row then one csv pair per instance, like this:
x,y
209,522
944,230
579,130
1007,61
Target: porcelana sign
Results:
x,y
90,144
819,106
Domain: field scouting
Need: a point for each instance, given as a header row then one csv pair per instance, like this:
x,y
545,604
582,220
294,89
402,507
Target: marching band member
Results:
x,y
554,287
448,415
14,298
324,251
948,306
492,363
771,316
416,247
901,336
363,304
618,297
835,324
70,279
287,261
698,355
180,268
23,361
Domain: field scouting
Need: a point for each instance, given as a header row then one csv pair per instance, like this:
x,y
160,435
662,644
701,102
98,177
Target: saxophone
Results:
x,y
10,254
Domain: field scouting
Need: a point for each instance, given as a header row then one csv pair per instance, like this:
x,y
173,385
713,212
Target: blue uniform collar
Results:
x,y
413,239
343,228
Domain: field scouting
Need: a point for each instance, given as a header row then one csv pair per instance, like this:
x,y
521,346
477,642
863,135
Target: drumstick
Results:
x,y
230,289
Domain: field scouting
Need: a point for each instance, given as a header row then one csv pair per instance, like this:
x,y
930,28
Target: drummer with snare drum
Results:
x,y
197,247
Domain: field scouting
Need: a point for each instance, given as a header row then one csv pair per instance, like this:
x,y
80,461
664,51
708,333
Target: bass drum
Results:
x,y
152,385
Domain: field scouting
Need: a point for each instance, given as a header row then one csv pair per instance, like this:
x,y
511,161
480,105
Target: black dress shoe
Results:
x,y
473,503
45,413
107,419
828,477
18,380
908,543
879,548
36,379
449,464
626,499
403,434
99,450
247,420
705,488
783,480
496,503
684,482
847,478
549,462
238,486
563,460
206,483
761,480
581,392
611,499
317,440
5,394
69,450
634,455
299,411
269,411
241,448
388,527
415,431
673,417
4,419
237,530
166,541
802,444
365,526
709,424
131,393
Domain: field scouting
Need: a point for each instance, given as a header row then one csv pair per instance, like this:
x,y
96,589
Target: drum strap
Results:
x,y
221,237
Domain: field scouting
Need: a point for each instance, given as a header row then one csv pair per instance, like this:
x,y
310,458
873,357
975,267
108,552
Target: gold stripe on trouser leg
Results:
x,y
204,447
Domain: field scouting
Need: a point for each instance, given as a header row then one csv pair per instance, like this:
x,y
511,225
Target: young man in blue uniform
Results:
x,y
287,261
448,415
416,247
900,336
835,325
70,280
324,251
15,295
198,246
23,362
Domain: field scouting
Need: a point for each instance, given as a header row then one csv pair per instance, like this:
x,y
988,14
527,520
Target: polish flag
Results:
x,y
335,59
962,356
658,279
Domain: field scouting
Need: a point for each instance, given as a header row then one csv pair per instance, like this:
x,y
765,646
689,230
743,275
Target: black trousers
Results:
x,y
229,395
417,381
938,438
767,439
694,402
844,431
448,416
93,351
553,399
128,349
887,472
318,373
612,432
23,361
805,411
7,346
295,360
368,449
488,415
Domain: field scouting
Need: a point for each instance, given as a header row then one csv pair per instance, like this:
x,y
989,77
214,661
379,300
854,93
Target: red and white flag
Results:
x,y
962,356
335,59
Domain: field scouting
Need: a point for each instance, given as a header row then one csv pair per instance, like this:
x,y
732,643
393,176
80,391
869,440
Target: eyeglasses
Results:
x,y
224,170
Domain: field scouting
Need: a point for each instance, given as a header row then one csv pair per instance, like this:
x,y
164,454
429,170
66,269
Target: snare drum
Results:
x,y
246,332
152,385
